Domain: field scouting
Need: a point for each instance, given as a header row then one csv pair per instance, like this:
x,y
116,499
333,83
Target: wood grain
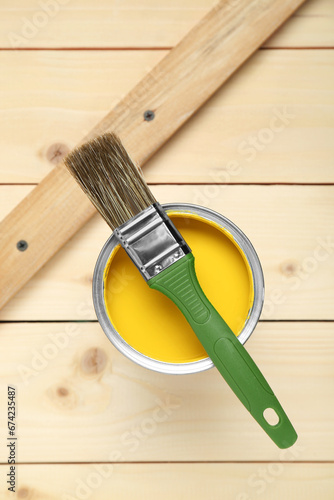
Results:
x,y
180,481
149,24
53,115
291,228
77,404
81,400
174,90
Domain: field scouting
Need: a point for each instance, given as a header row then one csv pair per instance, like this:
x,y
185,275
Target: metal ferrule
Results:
x,y
152,241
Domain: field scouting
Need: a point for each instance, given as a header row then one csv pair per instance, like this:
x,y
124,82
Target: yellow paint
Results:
x,y
150,322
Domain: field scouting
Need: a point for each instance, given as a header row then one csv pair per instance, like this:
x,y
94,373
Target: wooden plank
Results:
x,y
159,23
58,97
80,400
294,85
174,90
311,26
166,481
291,228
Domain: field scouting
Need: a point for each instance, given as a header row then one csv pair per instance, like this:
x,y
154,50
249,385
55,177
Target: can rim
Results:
x,y
193,366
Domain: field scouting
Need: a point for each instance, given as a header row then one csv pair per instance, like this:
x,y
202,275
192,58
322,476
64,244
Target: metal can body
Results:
x,y
239,239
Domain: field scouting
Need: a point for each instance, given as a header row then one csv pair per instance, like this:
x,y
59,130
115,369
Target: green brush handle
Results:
x,y
179,283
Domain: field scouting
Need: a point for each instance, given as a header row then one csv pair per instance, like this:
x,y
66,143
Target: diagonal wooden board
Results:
x,y
184,80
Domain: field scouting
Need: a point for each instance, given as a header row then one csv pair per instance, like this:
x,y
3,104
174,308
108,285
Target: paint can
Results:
x,y
194,219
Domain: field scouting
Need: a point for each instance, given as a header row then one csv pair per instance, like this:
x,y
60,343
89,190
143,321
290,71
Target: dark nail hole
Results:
x,y
149,115
22,245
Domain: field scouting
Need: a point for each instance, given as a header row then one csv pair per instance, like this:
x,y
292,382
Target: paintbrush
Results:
x,y
117,188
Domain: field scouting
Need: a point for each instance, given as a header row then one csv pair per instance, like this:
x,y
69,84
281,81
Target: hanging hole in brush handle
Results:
x,y
271,416
180,284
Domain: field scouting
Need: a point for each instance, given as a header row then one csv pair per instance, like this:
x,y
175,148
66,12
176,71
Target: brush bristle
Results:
x,y
111,180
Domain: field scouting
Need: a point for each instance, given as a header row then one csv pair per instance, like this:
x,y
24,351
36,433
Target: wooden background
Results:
x,y
91,424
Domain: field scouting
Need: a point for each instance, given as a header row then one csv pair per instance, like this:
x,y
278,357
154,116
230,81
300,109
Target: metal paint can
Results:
x,y
239,239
